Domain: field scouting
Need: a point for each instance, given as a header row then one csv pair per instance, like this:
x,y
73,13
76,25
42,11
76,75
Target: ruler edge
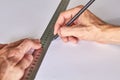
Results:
x,y
43,55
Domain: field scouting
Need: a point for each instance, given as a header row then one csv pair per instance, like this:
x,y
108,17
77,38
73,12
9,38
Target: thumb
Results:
x,y
69,31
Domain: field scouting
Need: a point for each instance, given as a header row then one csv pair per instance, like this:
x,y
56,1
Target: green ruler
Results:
x,y
46,39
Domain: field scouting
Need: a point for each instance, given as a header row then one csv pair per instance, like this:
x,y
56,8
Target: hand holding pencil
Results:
x,y
86,26
79,20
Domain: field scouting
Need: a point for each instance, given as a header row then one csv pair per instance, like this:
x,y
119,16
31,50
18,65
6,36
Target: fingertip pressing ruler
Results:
x,y
46,39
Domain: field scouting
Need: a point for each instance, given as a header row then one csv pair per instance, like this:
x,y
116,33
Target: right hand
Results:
x,y
86,27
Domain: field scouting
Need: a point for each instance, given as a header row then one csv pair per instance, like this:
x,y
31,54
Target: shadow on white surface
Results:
x,y
83,61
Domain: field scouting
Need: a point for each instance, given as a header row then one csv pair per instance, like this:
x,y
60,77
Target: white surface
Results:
x,y
84,61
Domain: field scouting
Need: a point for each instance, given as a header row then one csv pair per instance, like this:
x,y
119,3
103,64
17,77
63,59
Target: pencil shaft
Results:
x,y
80,12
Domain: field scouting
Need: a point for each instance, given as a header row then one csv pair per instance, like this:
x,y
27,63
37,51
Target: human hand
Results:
x,y
86,27
16,57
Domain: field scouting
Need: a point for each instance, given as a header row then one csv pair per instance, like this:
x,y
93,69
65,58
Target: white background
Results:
x,y
84,61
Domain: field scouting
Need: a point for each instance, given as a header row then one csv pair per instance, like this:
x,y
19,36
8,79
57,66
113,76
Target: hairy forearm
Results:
x,y
111,34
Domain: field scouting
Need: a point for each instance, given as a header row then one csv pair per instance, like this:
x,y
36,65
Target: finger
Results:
x,y
73,39
3,65
65,39
25,62
68,31
37,52
14,44
28,44
63,19
59,23
16,54
13,60
24,47
31,51
77,32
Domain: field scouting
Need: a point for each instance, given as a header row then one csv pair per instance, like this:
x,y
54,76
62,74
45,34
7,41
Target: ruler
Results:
x,y
46,39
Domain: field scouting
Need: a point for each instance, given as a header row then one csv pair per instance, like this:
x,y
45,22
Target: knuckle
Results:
x,y
27,41
25,65
13,60
14,51
22,67
3,62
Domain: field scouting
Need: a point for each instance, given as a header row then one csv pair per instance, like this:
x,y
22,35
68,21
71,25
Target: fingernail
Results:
x,y
31,51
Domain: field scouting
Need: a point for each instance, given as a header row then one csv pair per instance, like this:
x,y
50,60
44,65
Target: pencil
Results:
x,y
77,15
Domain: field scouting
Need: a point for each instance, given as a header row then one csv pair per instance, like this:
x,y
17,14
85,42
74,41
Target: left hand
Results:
x,y
15,58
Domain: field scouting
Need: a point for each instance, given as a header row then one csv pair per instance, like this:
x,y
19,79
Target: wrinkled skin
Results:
x,y
86,27
16,57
